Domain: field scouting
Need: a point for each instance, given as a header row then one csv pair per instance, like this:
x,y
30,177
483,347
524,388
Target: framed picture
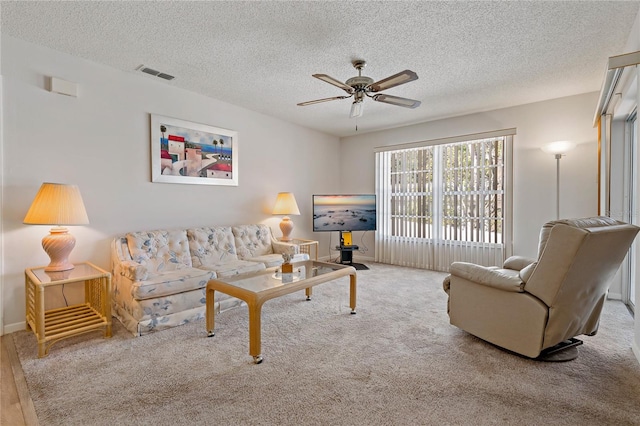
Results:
x,y
193,153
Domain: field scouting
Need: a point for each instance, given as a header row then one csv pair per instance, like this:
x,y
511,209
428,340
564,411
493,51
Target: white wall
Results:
x,y
534,192
101,141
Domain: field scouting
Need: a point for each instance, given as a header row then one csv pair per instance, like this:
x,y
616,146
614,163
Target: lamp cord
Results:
x,y
66,303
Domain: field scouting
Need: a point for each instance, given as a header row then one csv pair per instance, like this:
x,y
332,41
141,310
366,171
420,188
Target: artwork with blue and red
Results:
x,y
189,152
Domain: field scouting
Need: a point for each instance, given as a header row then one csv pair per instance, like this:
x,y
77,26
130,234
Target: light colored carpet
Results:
x,y
398,361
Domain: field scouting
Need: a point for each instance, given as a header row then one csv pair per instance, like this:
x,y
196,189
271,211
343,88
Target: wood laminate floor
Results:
x,y
16,408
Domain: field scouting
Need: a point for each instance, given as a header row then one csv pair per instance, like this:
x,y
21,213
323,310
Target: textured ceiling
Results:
x,y
469,56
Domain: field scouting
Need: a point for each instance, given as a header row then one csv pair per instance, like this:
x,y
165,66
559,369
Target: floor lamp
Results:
x,y
558,149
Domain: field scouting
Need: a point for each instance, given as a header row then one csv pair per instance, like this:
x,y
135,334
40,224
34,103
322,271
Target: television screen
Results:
x,y
344,212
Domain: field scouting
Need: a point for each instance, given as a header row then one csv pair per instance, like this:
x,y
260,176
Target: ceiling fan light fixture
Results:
x,y
357,108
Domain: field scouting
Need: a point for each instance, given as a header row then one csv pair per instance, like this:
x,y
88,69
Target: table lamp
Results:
x,y
558,148
57,204
286,205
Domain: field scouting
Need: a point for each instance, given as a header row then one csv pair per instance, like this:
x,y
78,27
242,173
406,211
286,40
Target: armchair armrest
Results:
x,y
490,277
517,262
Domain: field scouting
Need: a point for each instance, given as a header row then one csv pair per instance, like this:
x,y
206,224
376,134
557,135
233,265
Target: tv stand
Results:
x,y
346,254
346,257
346,251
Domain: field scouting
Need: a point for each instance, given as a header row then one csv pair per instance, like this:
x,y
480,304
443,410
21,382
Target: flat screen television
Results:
x,y
344,213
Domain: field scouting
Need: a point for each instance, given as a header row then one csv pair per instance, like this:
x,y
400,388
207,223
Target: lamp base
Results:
x,y
58,245
286,226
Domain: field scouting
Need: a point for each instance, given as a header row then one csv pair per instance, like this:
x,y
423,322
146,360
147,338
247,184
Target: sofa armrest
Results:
x,y
281,247
133,270
490,277
517,263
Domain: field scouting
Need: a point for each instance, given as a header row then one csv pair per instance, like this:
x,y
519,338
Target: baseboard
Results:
x,y
17,326
614,296
363,259
636,349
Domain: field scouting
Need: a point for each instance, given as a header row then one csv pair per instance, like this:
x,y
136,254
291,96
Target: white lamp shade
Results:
x,y
558,147
286,204
57,204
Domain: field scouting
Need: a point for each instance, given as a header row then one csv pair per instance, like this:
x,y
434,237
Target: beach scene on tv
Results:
x,y
344,213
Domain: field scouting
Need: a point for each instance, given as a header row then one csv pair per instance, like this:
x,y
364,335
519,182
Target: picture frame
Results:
x,y
192,153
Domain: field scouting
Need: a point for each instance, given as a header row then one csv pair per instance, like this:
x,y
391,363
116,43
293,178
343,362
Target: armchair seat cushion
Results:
x,y
503,279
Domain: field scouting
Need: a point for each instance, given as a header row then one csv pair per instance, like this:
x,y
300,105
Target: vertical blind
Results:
x,y
445,202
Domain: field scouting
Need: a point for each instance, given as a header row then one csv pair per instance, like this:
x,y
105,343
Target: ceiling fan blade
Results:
x,y
317,101
335,82
393,81
396,100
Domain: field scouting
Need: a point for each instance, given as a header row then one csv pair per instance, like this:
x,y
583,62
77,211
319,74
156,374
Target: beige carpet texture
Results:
x,y
398,361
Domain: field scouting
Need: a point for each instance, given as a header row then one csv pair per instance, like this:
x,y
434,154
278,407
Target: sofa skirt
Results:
x,y
161,319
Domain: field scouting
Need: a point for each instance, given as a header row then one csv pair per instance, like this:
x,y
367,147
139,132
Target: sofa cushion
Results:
x,y
252,241
230,268
271,260
211,245
160,251
171,282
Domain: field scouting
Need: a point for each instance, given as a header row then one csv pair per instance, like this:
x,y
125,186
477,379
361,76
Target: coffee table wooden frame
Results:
x,y
255,300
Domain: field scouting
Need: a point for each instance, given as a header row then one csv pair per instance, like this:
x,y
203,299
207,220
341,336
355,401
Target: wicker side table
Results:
x,y
305,247
52,325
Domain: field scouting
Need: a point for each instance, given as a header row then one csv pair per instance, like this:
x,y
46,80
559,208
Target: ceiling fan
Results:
x,y
362,86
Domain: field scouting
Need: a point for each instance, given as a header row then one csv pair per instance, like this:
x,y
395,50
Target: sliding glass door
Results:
x,y
634,254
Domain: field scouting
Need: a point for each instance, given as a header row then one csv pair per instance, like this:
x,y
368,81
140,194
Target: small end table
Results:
x,y
305,247
55,324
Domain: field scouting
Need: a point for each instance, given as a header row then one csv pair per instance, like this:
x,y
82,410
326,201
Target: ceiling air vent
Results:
x,y
151,71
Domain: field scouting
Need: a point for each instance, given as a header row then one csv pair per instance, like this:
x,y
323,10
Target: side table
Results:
x,y
305,247
55,324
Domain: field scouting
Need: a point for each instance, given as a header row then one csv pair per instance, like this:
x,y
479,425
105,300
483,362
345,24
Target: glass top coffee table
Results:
x,y
255,289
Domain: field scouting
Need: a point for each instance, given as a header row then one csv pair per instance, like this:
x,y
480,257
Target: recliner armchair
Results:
x,y
530,306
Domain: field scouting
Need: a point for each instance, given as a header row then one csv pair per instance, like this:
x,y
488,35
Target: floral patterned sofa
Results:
x,y
159,277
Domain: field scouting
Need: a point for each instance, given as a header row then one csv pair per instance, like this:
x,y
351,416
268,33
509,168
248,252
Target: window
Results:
x,y
444,202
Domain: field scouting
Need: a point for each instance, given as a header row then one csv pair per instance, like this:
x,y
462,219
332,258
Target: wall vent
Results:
x,y
153,72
